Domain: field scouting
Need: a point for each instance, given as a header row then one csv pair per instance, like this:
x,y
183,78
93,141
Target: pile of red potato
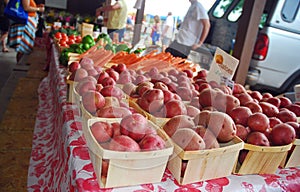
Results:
x,y
200,114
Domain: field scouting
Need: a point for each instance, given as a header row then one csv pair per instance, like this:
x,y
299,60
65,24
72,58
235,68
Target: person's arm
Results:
x,y
205,31
28,8
108,8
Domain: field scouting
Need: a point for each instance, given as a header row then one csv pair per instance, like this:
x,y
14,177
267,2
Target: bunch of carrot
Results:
x,y
162,61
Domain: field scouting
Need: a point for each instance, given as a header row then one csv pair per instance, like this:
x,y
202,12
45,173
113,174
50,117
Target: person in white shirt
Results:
x,y
167,31
192,32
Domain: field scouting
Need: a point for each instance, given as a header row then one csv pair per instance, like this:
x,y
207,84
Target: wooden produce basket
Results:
x,y
127,168
205,164
70,88
157,120
294,159
262,160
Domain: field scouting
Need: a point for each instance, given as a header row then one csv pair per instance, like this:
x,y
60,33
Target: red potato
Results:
x,y
78,75
113,112
253,106
129,88
174,107
274,121
140,79
124,143
266,95
240,115
114,75
269,109
188,139
238,89
121,67
284,101
207,97
86,63
152,142
294,108
274,100
108,81
116,129
185,93
242,131
125,77
286,116
282,134
102,131
244,98
256,95
92,101
192,111
177,122
143,87
84,86
209,138
222,125
257,138
258,122
202,118
152,100
73,66
112,91
160,85
296,126
225,102
102,75
134,126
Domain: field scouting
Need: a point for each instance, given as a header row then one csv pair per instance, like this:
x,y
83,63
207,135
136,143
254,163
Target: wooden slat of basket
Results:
x,y
263,160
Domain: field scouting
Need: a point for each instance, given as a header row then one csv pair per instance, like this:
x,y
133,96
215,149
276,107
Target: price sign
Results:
x,y
223,66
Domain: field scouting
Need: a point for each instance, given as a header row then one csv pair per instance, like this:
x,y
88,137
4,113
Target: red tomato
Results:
x,y
72,36
62,41
71,41
57,35
64,35
78,39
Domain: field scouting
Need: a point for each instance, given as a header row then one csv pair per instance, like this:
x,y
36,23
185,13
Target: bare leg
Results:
x,y
4,41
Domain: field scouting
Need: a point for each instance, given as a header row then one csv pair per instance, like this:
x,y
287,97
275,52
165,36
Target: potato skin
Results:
x,y
177,122
188,139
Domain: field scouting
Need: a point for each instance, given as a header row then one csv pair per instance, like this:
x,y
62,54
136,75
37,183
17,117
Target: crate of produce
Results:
x,y
293,157
261,159
194,166
123,168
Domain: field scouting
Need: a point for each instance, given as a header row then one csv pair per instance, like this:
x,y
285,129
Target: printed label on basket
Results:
x,y
223,64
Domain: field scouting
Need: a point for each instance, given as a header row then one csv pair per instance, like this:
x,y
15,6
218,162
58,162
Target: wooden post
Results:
x,y
138,24
246,36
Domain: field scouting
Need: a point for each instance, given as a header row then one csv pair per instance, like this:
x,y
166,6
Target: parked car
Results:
x,y
275,64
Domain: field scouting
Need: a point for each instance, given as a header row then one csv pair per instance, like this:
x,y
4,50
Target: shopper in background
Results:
x,y
192,32
4,26
117,18
156,30
22,36
167,31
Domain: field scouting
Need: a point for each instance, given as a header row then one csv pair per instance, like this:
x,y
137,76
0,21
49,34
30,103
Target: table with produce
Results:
x,y
116,118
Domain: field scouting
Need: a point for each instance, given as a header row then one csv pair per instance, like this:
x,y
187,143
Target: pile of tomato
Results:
x,y
65,40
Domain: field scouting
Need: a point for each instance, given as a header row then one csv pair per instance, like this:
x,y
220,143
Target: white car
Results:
x,y
275,65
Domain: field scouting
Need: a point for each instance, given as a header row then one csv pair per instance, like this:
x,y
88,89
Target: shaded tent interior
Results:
x,y
246,28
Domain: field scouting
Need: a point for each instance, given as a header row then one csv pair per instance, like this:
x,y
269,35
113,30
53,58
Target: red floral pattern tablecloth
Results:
x,y
60,160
